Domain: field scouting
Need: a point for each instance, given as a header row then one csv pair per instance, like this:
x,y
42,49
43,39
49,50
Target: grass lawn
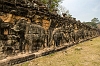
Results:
x,y
83,54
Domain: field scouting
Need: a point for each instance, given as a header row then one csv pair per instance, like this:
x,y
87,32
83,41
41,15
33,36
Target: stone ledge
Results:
x,y
9,61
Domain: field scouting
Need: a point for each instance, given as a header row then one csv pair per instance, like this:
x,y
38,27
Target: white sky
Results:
x,y
83,10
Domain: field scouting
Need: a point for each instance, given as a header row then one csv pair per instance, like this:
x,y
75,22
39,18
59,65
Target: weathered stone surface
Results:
x,y
27,26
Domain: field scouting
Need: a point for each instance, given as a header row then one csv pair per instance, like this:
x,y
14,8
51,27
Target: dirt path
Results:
x,y
83,54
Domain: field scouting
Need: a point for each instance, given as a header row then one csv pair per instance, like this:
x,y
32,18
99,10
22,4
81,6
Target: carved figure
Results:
x,y
31,34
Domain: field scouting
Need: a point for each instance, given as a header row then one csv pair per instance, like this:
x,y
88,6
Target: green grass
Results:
x,y
23,64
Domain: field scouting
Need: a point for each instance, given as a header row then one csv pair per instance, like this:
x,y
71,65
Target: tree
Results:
x,y
55,5
96,20
51,4
63,10
68,14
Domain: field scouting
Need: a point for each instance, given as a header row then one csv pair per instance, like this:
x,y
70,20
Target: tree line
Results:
x,y
94,23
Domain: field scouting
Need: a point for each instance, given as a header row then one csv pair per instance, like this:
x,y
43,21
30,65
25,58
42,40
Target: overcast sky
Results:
x,y
83,10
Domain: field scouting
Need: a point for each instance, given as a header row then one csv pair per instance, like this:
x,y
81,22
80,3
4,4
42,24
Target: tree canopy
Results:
x,y
51,4
94,22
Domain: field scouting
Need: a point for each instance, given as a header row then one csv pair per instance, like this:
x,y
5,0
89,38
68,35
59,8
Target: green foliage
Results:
x,y
51,4
93,22
25,64
44,1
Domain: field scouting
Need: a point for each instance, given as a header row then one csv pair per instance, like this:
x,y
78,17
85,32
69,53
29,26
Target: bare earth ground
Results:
x,y
83,54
